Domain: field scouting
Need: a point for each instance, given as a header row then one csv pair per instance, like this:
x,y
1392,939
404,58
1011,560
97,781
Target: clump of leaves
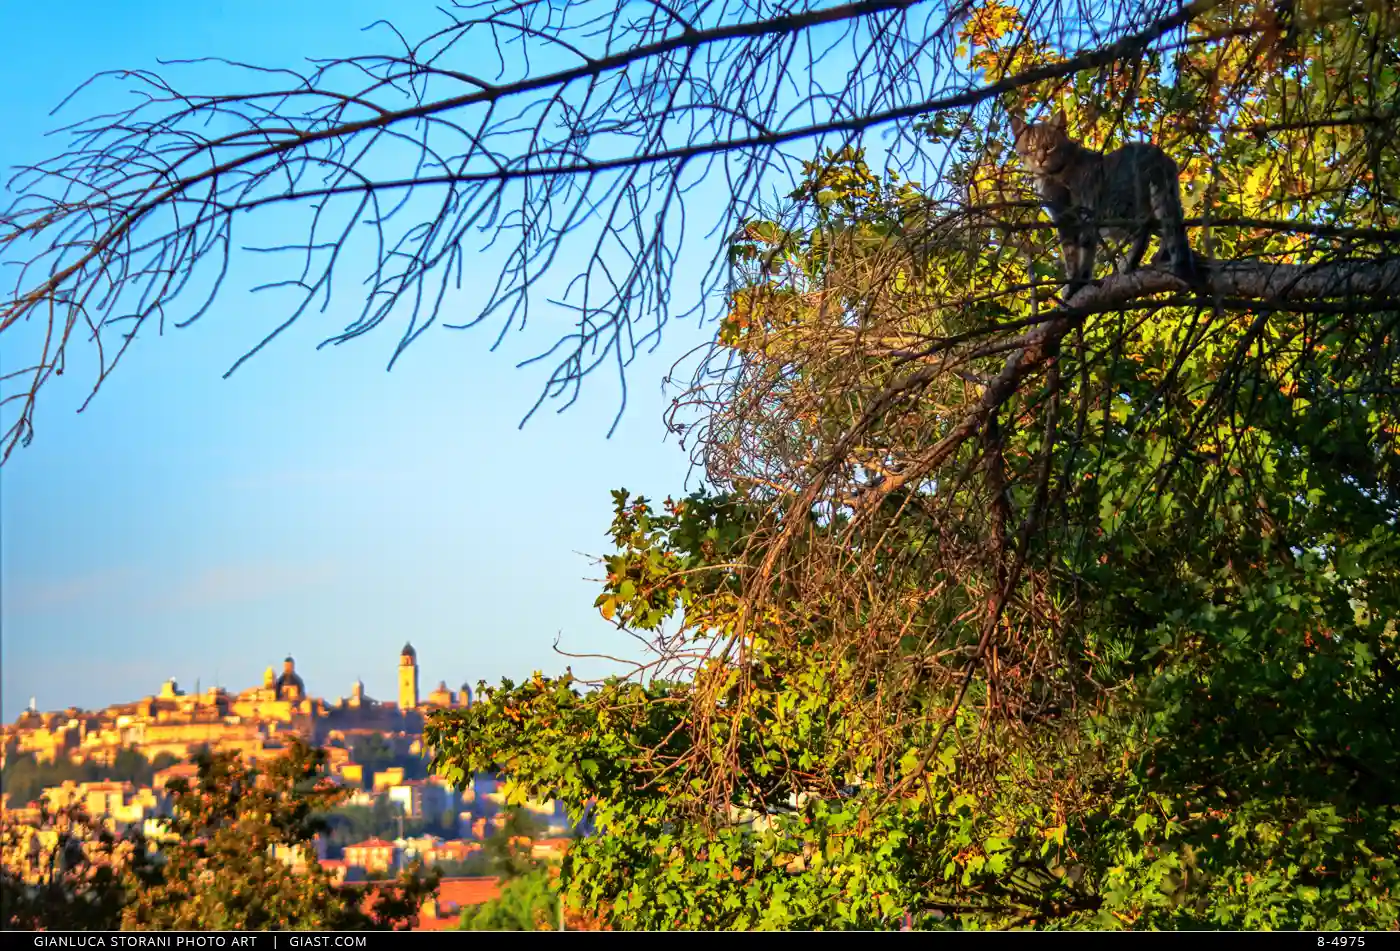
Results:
x,y
219,869
526,903
61,870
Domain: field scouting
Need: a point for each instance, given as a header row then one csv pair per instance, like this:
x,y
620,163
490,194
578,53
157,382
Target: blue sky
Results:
x,y
190,526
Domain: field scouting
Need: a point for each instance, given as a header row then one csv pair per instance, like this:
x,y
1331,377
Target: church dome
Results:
x,y
290,678
408,652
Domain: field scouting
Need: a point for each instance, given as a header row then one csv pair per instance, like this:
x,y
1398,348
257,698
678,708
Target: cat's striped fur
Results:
x,y
1137,188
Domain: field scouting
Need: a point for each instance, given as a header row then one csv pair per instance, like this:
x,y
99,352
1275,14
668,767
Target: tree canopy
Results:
x,y
595,143
526,903
220,869
1005,609
64,871
226,859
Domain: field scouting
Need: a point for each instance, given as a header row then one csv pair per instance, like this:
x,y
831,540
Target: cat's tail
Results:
x,y
1165,193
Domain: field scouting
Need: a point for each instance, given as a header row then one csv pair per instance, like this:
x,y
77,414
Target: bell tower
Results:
x,y
408,678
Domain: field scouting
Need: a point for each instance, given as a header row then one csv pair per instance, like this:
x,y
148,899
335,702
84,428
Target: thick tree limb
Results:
x,y
1362,283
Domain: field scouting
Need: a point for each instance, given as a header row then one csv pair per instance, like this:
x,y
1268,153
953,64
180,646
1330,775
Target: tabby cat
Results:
x,y
1137,187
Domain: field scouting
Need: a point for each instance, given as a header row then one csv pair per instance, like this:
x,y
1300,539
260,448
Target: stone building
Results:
x,y
253,722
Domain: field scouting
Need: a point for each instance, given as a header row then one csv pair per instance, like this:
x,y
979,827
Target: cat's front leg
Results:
x,y
1133,259
1079,259
1077,243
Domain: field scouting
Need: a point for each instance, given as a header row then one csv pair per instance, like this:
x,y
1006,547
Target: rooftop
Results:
x,y
373,843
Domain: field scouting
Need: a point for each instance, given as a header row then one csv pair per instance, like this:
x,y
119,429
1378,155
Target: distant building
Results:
x,y
453,850
549,850
252,723
372,855
387,778
441,697
359,797
483,827
417,798
290,686
119,804
295,857
408,678
412,847
186,771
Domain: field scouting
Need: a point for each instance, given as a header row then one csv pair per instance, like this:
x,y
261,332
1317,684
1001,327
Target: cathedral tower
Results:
x,y
408,678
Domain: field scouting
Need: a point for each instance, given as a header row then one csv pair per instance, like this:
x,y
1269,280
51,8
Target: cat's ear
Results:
x,y
1059,120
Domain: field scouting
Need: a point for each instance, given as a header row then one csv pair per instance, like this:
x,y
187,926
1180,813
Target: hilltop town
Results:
x,y
395,812
253,722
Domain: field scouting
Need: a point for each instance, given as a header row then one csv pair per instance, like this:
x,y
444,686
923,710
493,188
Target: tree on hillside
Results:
x,y
219,870
215,868
506,852
24,777
64,871
526,903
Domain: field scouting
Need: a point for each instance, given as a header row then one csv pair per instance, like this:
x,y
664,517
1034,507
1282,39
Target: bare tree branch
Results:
x,y
139,219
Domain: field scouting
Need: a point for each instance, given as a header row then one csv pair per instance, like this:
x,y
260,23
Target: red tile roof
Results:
x,y
371,844
470,890
461,893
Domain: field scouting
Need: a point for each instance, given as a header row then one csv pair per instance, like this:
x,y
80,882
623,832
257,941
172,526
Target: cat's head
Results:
x,y
1044,146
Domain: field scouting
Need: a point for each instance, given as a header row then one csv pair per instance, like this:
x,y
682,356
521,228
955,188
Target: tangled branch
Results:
x,y
585,147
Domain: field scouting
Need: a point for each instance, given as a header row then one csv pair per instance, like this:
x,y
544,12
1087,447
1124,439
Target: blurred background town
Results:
x,y
117,762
